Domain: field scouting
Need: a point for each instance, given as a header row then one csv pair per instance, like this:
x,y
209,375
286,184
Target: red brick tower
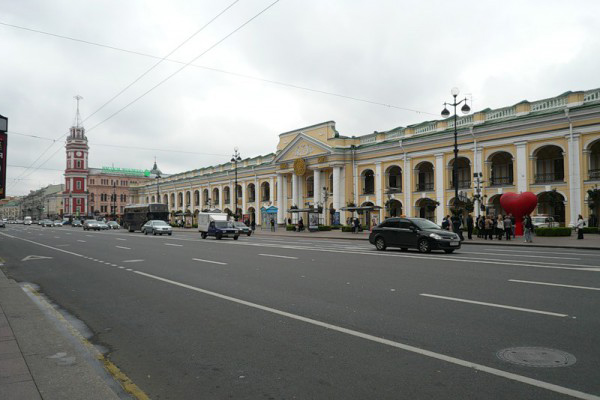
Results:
x,y
75,196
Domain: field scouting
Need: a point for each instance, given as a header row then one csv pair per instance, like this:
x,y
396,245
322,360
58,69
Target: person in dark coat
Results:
x,y
469,226
456,226
446,223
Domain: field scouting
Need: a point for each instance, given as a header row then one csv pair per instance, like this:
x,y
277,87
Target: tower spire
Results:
x,y
77,115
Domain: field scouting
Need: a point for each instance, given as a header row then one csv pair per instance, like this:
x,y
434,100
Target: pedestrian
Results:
x,y
300,225
528,225
456,226
470,227
253,225
508,228
289,221
579,227
272,225
500,227
446,223
487,227
480,226
513,223
356,224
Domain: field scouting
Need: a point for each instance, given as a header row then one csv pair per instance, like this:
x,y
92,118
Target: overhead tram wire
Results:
x,y
161,60
128,86
185,65
168,77
274,82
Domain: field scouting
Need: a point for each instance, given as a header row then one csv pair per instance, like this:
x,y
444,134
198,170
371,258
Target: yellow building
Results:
x,y
550,147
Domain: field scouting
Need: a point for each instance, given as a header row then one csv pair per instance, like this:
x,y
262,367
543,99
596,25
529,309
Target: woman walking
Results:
x,y
508,227
500,227
579,227
528,225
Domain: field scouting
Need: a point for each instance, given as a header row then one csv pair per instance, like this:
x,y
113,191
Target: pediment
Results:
x,y
302,146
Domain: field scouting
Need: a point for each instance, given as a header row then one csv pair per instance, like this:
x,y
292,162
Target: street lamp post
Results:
x,y
445,113
234,159
158,188
114,201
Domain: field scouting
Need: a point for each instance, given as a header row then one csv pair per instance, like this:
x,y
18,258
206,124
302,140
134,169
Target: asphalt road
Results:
x,y
284,318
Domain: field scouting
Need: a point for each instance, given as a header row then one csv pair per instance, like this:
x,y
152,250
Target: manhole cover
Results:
x,y
537,357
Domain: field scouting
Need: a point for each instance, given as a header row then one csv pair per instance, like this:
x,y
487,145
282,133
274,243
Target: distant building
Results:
x,y
95,192
42,203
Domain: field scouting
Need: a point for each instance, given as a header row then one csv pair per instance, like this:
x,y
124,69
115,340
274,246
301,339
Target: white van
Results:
x,y
27,221
217,225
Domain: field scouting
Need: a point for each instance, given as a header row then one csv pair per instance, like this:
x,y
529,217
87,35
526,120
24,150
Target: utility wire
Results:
x,y
185,65
271,81
161,82
25,173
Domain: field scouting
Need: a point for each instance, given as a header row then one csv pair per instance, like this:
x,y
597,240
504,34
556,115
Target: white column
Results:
x,y
272,190
221,198
301,183
522,166
336,188
280,202
284,198
407,187
378,189
439,187
317,186
295,190
575,179
243,188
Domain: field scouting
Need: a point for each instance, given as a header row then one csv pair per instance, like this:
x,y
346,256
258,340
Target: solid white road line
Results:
x,y
123,247
128,261
520,255
208,261
546,252
275,255
495,305
554,284
173,244
398,345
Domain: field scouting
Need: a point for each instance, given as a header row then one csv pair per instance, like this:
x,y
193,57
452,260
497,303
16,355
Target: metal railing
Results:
x,y
594,174
501,181
462,184
425,187
550,177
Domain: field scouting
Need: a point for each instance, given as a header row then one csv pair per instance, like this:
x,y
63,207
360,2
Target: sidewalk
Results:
x,y
37,360
590,242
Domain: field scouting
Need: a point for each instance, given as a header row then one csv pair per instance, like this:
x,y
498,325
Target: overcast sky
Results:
x,y
407,54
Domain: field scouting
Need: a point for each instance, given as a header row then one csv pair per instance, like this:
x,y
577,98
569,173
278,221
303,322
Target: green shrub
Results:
x,y
347,228
591,230
290,227
553,231
325,227
195,226
335,227
174,225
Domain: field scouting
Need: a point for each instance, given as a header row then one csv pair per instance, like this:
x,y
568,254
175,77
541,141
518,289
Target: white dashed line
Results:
x,y
173,244
555,284
275,255
121,267
495,305
128,261
120,239
123,247
82,241
208,261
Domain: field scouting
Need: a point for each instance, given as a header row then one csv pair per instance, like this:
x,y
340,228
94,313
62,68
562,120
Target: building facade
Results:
x,y
42,203
550,147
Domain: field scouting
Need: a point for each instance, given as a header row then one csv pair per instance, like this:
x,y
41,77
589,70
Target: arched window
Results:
x,y
424,177
550,166
226,195
180,199
463,172
501,169
251,193
265,193
310,186
215,197
196,198
368,181
393,177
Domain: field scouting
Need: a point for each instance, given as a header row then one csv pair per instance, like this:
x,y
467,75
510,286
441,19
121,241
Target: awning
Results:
x,y
300,210
364,208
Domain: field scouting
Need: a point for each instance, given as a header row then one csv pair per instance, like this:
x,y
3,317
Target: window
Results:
x,y
78,185
78,201
405,224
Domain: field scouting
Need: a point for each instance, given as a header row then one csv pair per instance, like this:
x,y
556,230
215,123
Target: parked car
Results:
x,y
217,225
418,233
2,224
91,224
58,223
543,221
113,225
157,227
243,228
47,223
76,223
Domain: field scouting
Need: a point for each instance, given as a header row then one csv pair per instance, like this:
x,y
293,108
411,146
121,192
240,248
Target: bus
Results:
x,y
136,215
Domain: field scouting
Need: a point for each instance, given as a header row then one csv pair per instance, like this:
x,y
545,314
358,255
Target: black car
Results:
x,y
418,233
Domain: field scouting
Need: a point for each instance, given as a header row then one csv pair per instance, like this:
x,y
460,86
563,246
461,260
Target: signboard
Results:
x,y
336,218
313,221
3,139
126,171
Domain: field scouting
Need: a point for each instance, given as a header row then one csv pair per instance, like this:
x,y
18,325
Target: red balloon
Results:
x,y
518,204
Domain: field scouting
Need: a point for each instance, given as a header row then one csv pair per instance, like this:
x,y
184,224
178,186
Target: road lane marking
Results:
x,y
89,235
32,257
120,239
173,244
387,342
275,255
61,245
208,261
82,241
123,247
520,255
546,252
129,261
495,305
554,284
121,267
